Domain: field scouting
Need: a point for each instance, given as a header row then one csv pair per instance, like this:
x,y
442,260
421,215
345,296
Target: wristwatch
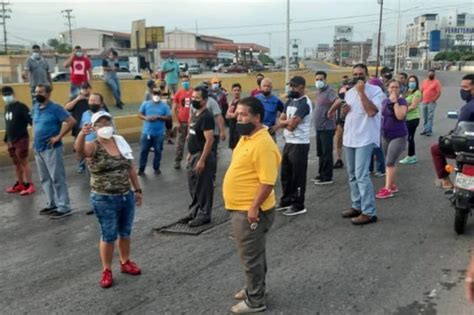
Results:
x,y
139,191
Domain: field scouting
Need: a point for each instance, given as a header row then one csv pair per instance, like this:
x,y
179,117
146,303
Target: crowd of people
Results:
x,y
374,119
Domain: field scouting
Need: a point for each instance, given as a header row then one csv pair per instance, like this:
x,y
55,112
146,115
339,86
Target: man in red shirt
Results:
x,y
431,89
180,112
257,90
80,68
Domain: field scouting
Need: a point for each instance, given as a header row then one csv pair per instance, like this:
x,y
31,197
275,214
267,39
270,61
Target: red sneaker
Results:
x,y
28,191
384,193
15,188
130,267
106,281
394,188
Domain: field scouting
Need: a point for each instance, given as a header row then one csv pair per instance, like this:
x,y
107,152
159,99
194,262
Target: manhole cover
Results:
x,y
219,216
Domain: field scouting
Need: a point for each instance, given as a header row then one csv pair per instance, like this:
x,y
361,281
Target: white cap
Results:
x,y
99,115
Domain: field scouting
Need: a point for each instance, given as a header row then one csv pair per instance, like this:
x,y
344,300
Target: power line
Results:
x,y
68,16
4,15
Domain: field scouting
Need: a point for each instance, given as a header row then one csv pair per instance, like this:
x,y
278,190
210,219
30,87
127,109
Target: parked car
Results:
x,y
220,67
235,68
123,73
257,68
195,69
62,76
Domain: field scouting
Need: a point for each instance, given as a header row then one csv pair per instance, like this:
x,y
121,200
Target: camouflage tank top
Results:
x,y
109,174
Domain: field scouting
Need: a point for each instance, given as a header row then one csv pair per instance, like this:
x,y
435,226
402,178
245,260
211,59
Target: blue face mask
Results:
x,y
215,86
412,85
186,85
319,84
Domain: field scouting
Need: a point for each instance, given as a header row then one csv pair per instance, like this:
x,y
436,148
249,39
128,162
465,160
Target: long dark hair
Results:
x,y
417,83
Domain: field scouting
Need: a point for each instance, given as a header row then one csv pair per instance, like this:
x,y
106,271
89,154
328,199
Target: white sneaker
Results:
x,y
243,308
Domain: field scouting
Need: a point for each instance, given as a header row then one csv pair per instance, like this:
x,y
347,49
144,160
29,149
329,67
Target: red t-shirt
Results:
x,y
255,92
430,89
79,68
183,100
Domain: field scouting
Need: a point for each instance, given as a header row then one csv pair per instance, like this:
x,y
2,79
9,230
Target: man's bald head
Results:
x,y
266,86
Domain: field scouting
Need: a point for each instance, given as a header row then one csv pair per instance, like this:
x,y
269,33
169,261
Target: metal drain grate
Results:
x,y
219,216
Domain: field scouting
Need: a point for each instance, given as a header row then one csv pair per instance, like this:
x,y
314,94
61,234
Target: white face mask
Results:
x,y
106,132
155,98
8,99
36,55
319,84
79,54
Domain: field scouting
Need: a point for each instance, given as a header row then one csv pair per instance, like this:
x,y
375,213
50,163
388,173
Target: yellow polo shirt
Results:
x,y
255,160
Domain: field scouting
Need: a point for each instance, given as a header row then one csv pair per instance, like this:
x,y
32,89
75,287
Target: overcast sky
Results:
x,y
313,21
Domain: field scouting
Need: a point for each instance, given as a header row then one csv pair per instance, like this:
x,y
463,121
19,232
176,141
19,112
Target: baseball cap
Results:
x,y
99,115
214,80
151,84
7,90
297,81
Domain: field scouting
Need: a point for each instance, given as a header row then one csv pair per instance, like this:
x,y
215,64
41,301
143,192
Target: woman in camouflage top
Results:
x,y
112,175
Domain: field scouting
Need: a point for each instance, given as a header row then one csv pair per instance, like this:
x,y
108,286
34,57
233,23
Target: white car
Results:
x,y
123,73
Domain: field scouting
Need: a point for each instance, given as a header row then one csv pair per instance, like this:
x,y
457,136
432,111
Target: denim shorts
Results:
x,y
115,214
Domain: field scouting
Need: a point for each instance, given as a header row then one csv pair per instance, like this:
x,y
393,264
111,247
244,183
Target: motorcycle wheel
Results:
x,y
460,220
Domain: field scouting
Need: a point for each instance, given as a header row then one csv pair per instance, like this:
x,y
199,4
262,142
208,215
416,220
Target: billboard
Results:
x,y
435,40
343,31
155,35
138,35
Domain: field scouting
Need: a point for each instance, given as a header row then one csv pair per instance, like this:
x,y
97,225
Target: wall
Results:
x,y
132,92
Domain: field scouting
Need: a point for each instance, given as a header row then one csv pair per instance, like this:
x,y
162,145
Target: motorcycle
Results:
x,y
460,143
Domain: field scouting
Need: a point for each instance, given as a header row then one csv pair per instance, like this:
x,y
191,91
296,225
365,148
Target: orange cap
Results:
x,y
215,80
449,168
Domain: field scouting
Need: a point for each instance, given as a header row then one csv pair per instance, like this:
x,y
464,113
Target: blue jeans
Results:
x,y
74,90
428,110
114,84
380,160
362,190
115,214
53,178
146,142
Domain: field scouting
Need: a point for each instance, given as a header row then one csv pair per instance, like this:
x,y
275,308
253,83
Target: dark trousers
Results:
x,y
181,141
412,125
201,187
293,175
324,148
251,246
146,143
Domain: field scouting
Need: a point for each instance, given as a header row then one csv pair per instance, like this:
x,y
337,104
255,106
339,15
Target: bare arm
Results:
x,y
68,61
414,103
132,174
71,104
221,124
83,148
400,111
335,106
264,191
369,107
209,136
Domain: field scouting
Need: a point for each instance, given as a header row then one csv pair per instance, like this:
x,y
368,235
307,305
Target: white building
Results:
x,y
95,40
418,40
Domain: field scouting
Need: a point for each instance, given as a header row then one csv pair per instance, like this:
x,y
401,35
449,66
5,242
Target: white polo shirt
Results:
x,y
360,129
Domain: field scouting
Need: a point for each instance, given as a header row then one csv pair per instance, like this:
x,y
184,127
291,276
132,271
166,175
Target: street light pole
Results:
x,y
287,66
395,71
378,40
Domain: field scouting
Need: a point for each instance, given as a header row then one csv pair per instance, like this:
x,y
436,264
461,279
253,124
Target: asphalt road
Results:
x,y
410,262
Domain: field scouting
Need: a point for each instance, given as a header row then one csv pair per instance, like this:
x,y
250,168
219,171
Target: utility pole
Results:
x,y
4,15
270,43
196,26
379,37
68,16
395,71
287,65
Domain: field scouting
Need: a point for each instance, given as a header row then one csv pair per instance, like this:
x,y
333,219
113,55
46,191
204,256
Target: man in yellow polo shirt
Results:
x,y
250,198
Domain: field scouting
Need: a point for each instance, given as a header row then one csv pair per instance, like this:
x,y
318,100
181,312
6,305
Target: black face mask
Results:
x,y
357,79
293,94
259,81
388,76
431,76
196,104
465,95
94,108
267,93
245,129
40,98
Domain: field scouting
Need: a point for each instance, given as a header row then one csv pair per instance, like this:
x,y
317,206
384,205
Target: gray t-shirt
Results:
x,y
324,99
39,70
215,110
109,63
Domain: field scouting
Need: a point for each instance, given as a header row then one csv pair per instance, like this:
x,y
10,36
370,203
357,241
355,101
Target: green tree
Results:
x,y
61,48
265,59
